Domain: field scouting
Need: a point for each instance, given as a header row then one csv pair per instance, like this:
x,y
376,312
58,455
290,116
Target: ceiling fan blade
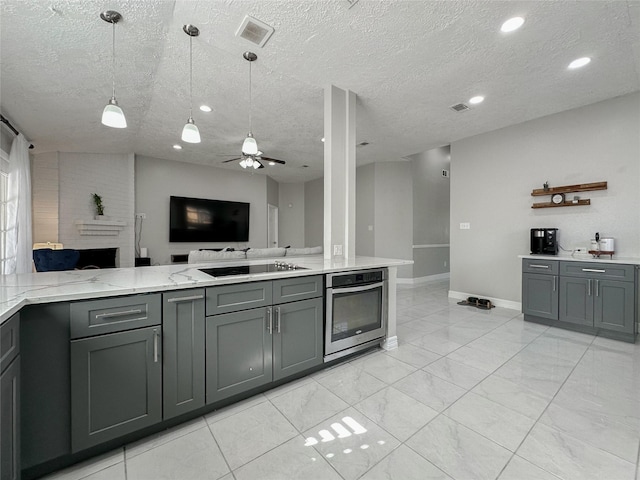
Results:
x,y
275,160
232,160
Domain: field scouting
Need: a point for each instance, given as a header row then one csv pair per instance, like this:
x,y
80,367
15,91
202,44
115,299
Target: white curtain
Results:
x,y
18,252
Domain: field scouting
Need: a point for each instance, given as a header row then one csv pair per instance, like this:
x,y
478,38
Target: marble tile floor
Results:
x,y
469,394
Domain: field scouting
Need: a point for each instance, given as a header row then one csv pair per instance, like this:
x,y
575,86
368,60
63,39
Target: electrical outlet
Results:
x,y
465,226
337,249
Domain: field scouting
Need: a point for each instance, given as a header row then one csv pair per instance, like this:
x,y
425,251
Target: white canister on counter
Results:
x,y
607,245
595,246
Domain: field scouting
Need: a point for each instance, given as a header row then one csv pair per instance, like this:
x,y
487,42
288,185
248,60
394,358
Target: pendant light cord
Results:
x,y
113,59
190,77
250,99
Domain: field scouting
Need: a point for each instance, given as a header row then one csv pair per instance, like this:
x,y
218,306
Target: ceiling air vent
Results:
x,y
255,31
459,107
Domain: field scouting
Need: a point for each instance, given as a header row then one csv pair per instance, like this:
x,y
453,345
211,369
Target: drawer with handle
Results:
x,y
97,317
597,270
531,265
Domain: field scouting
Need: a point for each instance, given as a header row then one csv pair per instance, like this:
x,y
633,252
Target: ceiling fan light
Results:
x,y
256,164
250,146
190,132
243,163
113,116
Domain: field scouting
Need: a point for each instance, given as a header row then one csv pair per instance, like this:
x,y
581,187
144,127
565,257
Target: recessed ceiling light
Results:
x,y
512,24
177,147
205,108
476,100
322,139
272,163
579,62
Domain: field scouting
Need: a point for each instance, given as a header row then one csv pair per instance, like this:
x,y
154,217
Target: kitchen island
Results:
x,y
102,357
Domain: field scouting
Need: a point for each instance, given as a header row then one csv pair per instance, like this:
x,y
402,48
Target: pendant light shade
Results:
x,y
190,132
250,146
112,115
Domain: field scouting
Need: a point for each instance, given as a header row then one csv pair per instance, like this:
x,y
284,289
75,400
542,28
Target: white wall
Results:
x,y
492,176
365,210
431,192
45,189
156,180
314,213
291,215
393,202
110,176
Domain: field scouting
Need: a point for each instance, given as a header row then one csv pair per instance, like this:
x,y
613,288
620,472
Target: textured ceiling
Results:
x,y
407,61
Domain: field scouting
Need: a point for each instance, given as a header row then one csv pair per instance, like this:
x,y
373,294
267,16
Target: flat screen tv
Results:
x,y
203,220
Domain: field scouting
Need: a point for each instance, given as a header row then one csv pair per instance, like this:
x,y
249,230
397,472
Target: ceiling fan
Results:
x,y
255,161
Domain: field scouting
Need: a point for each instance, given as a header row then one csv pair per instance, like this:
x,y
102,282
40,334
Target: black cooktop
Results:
x,y
250,269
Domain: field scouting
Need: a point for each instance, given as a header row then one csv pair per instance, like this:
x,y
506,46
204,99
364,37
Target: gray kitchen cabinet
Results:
x,y
594,297
540,295
239,352
576,301
297,337
614,306
10,399
183,337
251,348
116,385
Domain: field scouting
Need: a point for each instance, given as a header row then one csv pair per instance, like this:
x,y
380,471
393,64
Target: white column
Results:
x,y
391,341
339,172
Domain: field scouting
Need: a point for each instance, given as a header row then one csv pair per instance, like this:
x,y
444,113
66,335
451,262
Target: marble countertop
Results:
x,y
585,257
17,291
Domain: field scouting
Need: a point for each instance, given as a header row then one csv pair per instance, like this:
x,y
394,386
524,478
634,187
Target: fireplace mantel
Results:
x,y
100,227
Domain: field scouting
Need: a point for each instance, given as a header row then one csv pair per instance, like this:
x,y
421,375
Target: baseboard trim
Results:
x,y
390,343
421,280
498,302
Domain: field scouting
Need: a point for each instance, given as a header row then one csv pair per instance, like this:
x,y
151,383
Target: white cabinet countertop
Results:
x,y
582,257
17,291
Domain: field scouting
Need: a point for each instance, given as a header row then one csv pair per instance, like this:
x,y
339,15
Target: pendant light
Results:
x,y
250,146
190,132
112,115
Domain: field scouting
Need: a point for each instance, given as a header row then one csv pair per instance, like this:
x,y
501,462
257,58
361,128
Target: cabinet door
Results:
x,y
297,339
614,305
10,422
540,295
183,352
239,352
576,300
116,385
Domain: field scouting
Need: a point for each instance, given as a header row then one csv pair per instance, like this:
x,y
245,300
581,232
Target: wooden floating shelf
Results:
x,y
583,187
564,204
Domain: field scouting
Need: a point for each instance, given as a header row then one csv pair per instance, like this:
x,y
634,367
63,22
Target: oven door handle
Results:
x,y
362,288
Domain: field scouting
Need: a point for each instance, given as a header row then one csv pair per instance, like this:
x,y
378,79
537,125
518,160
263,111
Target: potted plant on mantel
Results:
x,y
97,200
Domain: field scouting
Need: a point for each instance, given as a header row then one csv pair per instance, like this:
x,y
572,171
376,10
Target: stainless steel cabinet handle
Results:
x,y
539,266
278,319
595,270
597,288
185,299
554,282
118,314
156,335
589,290
269,321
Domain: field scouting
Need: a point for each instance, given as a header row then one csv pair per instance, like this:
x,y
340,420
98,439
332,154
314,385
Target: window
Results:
x,y
4,184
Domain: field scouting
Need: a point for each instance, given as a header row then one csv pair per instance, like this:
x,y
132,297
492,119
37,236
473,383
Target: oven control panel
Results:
x,y
356,278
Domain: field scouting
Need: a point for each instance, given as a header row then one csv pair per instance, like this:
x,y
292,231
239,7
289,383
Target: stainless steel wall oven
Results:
x,y
356,311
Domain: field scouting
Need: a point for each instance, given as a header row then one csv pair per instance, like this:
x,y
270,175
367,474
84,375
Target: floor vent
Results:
x,y
254,31
459,107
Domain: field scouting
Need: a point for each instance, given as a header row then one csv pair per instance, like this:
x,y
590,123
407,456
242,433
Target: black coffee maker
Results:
x,y
544,241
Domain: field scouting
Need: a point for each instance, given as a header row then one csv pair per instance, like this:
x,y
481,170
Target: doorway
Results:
x,y
272,226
